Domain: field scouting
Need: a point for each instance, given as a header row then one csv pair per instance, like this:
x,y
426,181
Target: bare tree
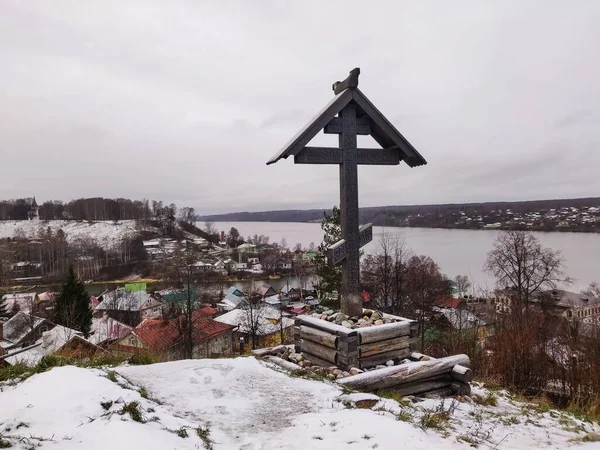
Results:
x,y
210,227
522,265
384,274
593,290
187,215
283,243
425,283
253,320
463,283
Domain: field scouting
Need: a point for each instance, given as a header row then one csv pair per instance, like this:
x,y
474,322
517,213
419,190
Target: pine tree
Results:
x,y
330,276
72,308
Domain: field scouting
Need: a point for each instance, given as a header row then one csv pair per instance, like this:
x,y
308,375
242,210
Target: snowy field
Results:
x,y
245,404
105,233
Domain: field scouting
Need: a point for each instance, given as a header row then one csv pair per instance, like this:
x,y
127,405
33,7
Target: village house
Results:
x,y
458,319
269,324
130,308
44,305
231,299
58,340
570,305
265,290
20,301
164,338
105,330
23,329
290,293
284,265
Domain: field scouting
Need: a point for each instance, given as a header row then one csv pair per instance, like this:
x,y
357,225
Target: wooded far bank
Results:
x,y
582,214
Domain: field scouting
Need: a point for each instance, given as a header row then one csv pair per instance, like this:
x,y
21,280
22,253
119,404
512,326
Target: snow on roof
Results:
x,y
121,300
19,326
51,341
460,319
239,316
24,301
107,329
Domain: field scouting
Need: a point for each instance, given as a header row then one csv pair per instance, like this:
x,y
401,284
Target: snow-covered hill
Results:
x,y
246,404
106,233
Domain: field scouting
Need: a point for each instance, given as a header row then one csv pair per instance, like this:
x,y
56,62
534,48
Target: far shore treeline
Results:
x,y
537,215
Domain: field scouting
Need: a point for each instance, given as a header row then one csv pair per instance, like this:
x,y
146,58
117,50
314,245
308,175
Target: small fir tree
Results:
x,y
72,308
330,276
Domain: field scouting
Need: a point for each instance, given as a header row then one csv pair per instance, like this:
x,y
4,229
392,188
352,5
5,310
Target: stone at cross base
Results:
x,y
350,114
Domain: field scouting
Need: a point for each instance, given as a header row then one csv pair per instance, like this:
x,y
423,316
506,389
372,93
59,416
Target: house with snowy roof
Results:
x,y
23,329
165,339
130,308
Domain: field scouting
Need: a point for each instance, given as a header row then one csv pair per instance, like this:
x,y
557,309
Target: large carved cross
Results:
x,y
350,114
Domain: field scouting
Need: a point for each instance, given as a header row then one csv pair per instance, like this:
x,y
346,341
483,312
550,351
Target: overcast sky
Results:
x,y
186,101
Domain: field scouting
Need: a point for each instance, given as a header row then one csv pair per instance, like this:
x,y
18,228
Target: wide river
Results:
x,y
456,251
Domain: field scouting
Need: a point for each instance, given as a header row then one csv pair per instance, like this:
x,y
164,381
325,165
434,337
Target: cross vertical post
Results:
x,y
351,301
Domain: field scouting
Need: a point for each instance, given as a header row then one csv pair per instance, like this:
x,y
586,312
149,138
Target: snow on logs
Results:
x,y
327,343
444,374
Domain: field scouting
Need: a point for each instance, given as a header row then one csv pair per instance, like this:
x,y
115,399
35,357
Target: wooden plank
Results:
x,y
388,345
382,358
312,128
378,156
318,336
335,126
405,373
327,326
326,353
421,387
383,332
319,155
385,133
316,360
285,364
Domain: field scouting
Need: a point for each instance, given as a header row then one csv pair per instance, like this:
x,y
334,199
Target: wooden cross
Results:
x,y
350,114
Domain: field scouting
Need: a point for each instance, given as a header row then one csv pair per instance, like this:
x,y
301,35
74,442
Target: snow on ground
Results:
x,y
106,233
246,404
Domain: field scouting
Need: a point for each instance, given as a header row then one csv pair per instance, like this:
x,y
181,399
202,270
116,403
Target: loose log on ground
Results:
x,y
325,326
388,345
260,352
462,374
285,364
459,388
318,336
406,373
383,332
382,358
326,353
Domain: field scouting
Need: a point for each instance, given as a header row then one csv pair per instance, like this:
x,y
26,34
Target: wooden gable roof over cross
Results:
x,y
370,121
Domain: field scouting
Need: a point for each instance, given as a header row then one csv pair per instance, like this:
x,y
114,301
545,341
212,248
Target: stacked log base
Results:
x,y
327,344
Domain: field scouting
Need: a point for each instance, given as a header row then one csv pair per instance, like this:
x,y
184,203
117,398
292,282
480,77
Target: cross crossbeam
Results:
x,y
332,155
337,252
